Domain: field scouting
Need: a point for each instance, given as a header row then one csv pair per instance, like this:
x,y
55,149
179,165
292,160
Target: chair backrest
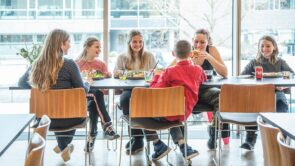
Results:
x,y
247,98
59,103
43,126
35,151
157,102
271,150
287,151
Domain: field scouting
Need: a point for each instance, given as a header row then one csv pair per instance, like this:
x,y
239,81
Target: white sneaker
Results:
x,y
66,153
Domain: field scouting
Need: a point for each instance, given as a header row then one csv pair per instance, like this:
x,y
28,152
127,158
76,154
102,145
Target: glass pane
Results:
x,y
257,24
165,22
32,4
80,18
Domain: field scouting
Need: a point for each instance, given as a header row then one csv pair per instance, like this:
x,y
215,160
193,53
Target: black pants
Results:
x,y
93,111
64,123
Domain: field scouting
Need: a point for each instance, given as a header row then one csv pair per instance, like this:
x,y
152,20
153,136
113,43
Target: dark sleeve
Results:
x,y
249,69
286,67
23,82
76,76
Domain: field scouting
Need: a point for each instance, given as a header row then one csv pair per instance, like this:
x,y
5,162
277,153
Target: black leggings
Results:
x,y
93,111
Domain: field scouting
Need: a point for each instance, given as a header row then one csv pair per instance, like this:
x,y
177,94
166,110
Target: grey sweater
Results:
x,y
279,66
68,77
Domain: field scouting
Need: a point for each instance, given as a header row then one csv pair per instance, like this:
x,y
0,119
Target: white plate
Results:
x,y
245,76
272,75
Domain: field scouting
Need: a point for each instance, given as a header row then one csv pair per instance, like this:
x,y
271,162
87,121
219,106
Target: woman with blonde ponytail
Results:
x,y
52,71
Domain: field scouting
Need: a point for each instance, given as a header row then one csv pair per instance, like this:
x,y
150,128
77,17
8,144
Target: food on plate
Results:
x,y
135,74
98,75
95,74
272,74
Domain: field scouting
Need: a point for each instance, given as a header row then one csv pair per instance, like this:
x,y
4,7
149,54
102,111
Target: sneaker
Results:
x,y
212,139
56,149
190,152
225,140
90,144
128,143
66,153
161,150
109,133
136,147
250,141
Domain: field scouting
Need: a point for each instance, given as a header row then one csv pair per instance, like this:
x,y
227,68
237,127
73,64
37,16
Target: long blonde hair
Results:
x,y
130,54
88,43
45,68
274,56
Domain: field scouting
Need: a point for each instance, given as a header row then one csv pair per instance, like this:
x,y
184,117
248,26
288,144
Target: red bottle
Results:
x,y
258,72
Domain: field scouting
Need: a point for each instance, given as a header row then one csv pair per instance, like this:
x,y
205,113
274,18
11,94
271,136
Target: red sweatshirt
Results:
x,y
185,74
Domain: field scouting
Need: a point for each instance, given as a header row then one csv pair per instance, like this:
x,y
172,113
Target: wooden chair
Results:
x,y
271,150
61,104
43,126
149,103
287,151
35,151
241,104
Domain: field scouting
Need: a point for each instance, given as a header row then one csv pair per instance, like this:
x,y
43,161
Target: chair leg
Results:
x,y
121,139
89,155
167,157
115,112
187,162
219,142
130,151
147,154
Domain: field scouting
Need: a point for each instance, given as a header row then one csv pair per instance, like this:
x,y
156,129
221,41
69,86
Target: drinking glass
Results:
x,y
209,74
286,74
148,76
122,75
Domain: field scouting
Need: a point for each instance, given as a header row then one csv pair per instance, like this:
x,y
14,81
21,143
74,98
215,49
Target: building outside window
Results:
x,y
26,22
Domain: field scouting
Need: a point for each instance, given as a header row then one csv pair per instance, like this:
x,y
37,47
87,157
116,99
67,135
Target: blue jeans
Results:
x,y
175,132
64,123
281,102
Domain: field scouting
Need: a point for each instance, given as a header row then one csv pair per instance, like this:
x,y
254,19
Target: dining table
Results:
x,y
283,121
11,127
249,80
115,83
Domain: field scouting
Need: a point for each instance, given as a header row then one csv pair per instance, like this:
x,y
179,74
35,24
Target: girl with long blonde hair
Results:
x,y
51,70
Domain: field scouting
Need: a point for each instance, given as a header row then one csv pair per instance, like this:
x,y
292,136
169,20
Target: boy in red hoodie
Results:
x,y
185,73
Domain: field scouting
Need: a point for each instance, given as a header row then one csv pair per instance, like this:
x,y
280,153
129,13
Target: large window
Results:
x,y
162,23
257,21
165,22
24,23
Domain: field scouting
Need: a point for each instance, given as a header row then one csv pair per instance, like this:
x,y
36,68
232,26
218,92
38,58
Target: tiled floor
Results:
x,y
231,155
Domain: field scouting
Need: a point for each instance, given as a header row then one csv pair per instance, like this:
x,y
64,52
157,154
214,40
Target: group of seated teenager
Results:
x,y
51,70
